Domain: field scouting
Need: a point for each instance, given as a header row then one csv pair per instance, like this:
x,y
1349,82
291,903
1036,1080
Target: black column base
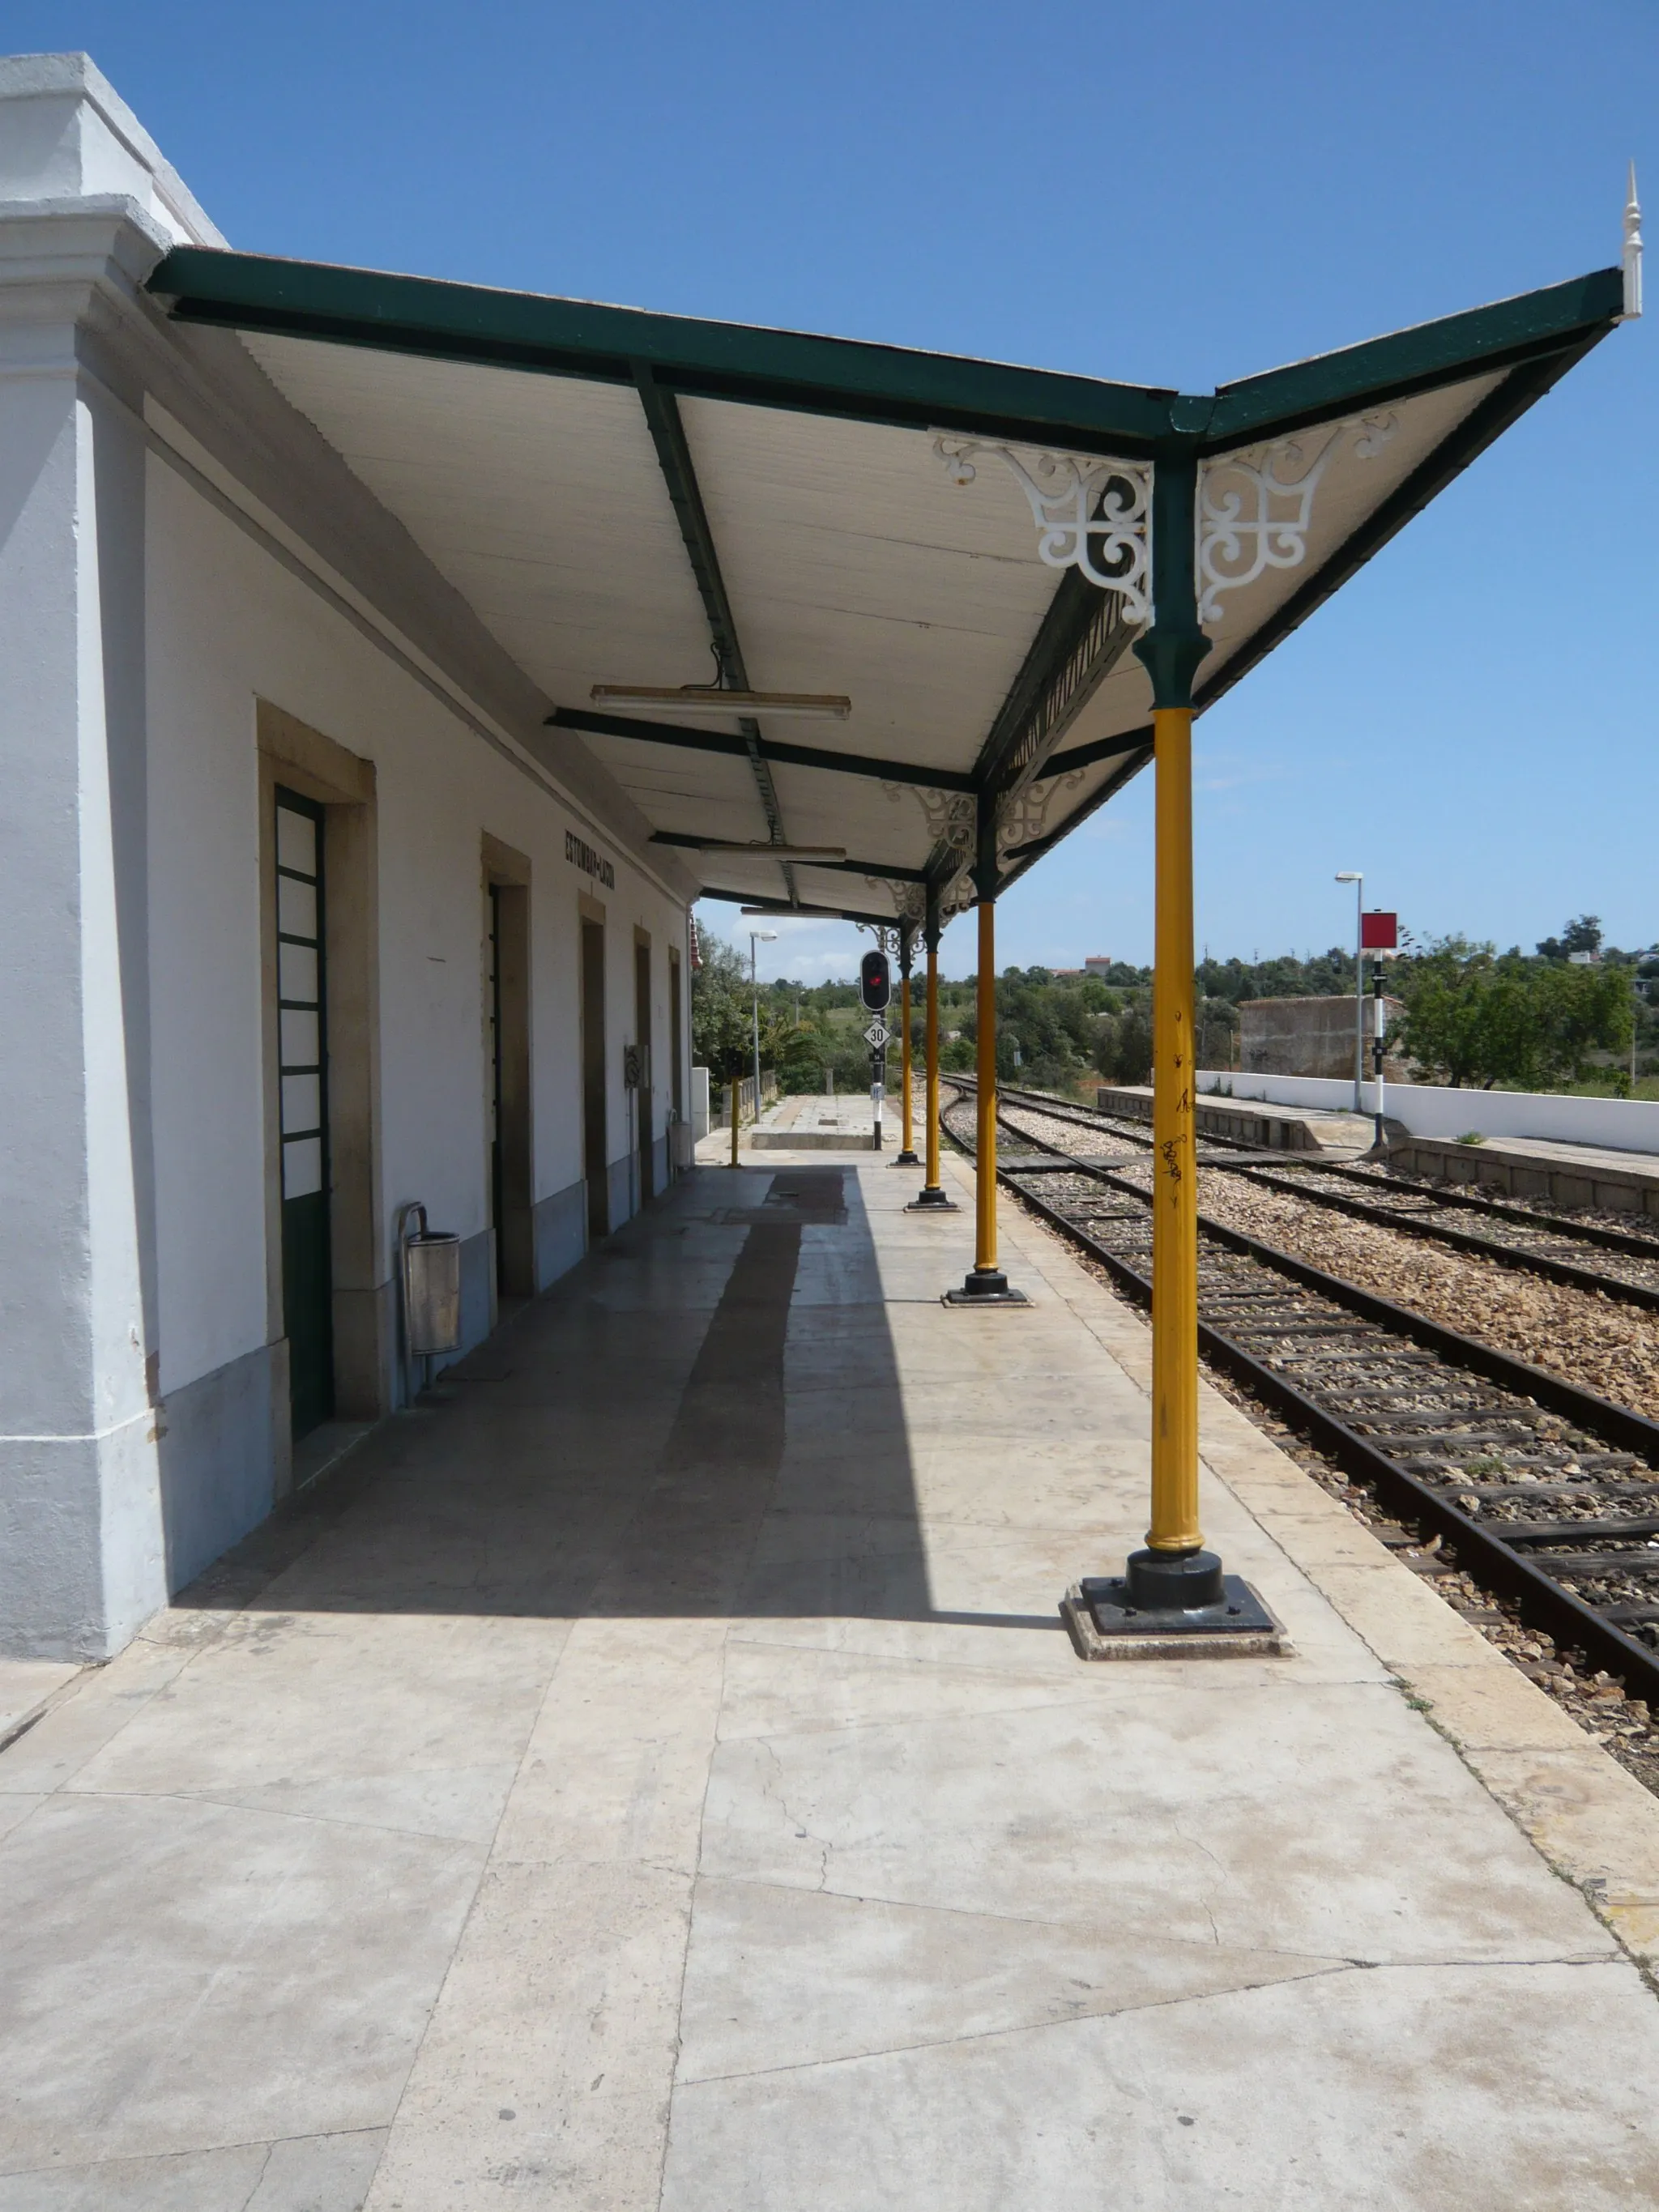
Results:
x,y
986,1287
931,1198
1159,1581
905,1159
1169,1605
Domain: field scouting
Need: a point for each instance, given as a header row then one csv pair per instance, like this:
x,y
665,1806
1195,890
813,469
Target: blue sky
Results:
x,y
1177,195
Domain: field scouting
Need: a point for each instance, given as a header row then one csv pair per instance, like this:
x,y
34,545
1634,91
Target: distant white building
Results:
x,y
1097,964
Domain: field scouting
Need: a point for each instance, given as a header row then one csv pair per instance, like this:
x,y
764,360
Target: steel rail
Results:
x,y
1487,1557
1584,1232
1287,1178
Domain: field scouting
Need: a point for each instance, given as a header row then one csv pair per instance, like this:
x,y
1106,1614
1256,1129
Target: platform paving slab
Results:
x,y
654,1775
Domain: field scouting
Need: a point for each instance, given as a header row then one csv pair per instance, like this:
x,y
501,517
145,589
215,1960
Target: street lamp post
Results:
x,y
1355,876
756,937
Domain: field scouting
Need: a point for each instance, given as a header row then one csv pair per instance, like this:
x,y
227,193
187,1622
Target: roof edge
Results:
x,y
1475,341
537,332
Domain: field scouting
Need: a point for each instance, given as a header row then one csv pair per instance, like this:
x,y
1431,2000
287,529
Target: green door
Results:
x,y
308,1273
493,1077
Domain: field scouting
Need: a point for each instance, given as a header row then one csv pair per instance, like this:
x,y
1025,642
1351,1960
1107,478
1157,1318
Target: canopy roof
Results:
x,y
615,492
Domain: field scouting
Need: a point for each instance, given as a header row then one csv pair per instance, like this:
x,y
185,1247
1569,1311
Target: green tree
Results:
x,y
1583,1012
722,1012
1581,934
1474,1019
1123,1048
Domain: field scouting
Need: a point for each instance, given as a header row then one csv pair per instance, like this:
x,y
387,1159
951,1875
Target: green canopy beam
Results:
x,y
723,846
662,415
771,749
893,385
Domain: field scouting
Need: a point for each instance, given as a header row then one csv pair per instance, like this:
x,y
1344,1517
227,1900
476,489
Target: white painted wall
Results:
x,y
229,623
1431,1109
80,1535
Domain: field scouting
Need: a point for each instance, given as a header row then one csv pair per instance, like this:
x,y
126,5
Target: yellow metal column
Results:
x,y
930,1145
1174,1209
931,1198
905,1154
984,1283
1173,1587
1173,1595
907,1157
985,1119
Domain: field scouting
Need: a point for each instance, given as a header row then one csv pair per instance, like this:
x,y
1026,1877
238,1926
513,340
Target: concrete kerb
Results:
x,y
29,1689
1594,1824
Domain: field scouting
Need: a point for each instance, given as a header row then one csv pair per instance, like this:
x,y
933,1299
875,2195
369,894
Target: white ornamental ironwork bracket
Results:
x,y
952,817
909,902
1256,507
1092,515
1025,815
958,895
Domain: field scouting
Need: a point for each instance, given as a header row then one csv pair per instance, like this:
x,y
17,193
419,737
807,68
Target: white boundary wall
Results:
x,y
1432,1109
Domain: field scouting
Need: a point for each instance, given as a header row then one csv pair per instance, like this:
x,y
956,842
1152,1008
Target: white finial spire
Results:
x,y
1633,254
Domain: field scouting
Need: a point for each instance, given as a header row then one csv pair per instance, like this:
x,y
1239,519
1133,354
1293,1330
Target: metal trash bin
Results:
x,y
432,1288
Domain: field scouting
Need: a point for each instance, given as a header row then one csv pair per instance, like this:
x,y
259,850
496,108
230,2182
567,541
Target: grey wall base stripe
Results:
x,y
559,1232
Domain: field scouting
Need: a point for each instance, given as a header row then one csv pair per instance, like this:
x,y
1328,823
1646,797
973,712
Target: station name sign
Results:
x,y
590,863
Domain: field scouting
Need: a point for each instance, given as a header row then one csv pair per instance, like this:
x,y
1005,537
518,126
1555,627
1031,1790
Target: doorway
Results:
x,y
302,1078
642,1033
676,1063
506,1084
493,1063
595,1168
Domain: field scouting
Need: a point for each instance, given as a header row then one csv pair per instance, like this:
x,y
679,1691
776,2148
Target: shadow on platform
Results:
x,y
704,1419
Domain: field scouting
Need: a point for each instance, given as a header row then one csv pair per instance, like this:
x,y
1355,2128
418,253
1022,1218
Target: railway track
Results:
x,y
1547,1495
1625,1267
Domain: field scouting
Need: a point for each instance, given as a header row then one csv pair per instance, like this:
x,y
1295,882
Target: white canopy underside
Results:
x,y
852,562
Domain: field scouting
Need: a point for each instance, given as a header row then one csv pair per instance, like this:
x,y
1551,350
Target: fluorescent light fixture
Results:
x,y
709,699
772,851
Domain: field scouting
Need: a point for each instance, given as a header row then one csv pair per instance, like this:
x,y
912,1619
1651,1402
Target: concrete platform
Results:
x,y
1254,1121
652,1775
1540,1168
811,1122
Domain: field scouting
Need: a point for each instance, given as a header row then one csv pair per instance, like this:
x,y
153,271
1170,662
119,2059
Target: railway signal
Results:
x,y
875,983
1379,932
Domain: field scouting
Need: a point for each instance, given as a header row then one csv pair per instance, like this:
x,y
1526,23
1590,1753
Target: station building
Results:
x,y
363,758
325,922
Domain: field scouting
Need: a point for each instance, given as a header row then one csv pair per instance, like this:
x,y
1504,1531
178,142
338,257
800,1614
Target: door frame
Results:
x,y
292,754
286,801
506,875
589,1059
676,1055
645,1129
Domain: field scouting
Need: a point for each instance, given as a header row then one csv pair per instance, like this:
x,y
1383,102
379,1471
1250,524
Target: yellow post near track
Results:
x,y
931,1048
985,1134
904,1058
1174,1209
1173,1588
930,1198
985,1283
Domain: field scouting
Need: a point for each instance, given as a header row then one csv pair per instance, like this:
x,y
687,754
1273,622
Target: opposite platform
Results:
x,y
652,1774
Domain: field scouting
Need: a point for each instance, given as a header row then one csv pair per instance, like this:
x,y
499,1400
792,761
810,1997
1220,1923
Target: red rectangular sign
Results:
x,y
1379,932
